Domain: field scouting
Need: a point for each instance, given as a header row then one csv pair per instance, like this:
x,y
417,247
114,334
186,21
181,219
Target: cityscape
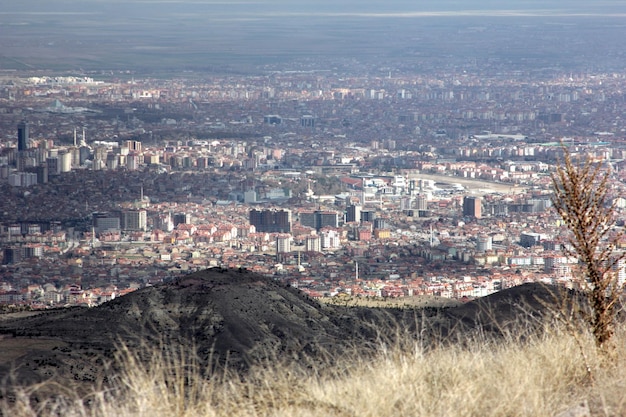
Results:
x,y
392,186
312,208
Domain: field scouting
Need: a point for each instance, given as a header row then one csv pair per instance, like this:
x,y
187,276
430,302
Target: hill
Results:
x,y
234,318
231,316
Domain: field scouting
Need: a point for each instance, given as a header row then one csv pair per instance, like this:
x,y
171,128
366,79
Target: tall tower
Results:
x,y
472,207
353,213
22,136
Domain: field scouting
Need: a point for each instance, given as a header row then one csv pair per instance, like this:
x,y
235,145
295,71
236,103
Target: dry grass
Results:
x,y
14,347
400,302
542,376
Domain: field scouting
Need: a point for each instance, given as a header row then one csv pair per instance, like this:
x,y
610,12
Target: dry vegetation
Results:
x,y
582,197
540,376
400,302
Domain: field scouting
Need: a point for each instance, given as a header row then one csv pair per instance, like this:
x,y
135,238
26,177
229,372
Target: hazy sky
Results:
x,y
311,6
190,32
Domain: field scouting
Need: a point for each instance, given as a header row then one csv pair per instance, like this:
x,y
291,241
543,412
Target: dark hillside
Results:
x,y
237,317
229,315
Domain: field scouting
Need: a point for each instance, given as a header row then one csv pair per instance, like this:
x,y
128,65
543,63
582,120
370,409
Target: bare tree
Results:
x,y
581,194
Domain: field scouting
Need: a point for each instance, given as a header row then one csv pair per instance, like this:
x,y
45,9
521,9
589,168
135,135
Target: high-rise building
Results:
x,y
42,173
54,168
330,239
368,216
134,220
84,154
381,223
75,153
106,222
313,244
307,121
12,255
182,218
283,243
22,137
353,213
282,220
472,207
272,119
22,179
133,145
164,222
319,219
307,218
112,161
271,221
327,219
422,202
133,161
484,243
65,161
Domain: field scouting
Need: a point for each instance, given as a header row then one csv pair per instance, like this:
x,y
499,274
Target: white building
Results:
x,y
283,243
330,239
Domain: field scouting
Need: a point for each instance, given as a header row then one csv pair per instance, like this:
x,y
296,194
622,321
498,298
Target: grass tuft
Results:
x,y
541,375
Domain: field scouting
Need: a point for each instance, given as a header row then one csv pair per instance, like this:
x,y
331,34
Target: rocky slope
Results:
x,y
234,317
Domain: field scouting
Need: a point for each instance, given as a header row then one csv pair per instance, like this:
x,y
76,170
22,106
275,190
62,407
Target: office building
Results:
x,y
307,218
368,216
353,213
327,219
12,255
182,218
106,222
23,141
134,220
472,207
319,219
271,220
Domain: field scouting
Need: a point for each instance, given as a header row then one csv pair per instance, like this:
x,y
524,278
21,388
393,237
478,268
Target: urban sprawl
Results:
x,y
341,185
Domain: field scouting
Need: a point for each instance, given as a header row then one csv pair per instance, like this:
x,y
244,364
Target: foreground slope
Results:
x,y
557,372
234,318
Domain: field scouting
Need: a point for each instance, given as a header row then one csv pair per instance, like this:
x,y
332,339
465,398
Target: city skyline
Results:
x,y
396,133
